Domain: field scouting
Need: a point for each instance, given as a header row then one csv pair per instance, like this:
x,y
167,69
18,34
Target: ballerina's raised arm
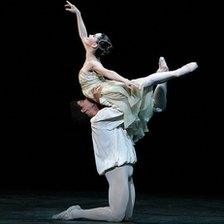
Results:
x,y
81,26
94,44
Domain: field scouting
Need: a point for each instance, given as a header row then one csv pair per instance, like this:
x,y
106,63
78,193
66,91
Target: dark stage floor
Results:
x,y
37,208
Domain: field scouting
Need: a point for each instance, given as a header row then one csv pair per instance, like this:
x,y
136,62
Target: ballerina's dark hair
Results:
x,y
104,45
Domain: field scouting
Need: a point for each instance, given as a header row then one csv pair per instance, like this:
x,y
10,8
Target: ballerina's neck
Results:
x,y
91,57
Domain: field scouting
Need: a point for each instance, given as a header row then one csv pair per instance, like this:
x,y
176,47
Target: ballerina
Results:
x,y
134,98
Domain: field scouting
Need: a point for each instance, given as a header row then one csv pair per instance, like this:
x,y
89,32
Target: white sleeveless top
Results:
x,y
111,143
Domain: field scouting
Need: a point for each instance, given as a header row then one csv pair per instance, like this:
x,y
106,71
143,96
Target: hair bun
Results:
x,y
104,46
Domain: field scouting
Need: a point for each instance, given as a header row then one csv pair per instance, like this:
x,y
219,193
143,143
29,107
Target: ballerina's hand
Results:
x,y
71,8
131,85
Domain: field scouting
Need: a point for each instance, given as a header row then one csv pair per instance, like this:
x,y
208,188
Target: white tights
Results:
x,y
121,199
160,77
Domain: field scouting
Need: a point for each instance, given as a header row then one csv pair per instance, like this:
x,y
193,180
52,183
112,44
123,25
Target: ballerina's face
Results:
x,y
88,108
93,38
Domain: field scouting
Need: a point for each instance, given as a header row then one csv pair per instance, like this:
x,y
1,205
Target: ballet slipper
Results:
x,y
66,215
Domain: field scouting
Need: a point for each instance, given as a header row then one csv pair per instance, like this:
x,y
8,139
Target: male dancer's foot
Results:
x,y
67,214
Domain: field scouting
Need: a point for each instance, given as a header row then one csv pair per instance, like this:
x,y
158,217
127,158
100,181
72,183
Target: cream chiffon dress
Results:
x,y
136,106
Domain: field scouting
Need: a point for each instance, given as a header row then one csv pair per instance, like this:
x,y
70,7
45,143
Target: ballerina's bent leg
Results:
x,y
160,92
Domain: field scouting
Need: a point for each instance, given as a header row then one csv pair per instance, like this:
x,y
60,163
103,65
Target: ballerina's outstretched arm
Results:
x,y
81,26
150,80
110,74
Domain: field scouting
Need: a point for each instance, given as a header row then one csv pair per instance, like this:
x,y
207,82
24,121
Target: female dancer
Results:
x,y
133,98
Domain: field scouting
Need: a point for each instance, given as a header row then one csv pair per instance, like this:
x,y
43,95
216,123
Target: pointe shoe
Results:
x,y
190,67
162,65
66,215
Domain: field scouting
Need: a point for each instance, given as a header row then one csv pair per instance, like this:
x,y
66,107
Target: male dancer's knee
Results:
x,y
118,216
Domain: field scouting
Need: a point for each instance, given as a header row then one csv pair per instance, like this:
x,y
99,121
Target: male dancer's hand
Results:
x,y
97,93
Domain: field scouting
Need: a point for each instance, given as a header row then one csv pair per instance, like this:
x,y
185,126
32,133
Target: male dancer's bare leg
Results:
x,y
118,199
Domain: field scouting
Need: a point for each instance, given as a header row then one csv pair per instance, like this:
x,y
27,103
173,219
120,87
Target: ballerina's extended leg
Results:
x,y
160,77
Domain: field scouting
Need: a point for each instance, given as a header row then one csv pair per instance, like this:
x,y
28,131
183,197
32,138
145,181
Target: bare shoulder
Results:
x,y
92,65
87,66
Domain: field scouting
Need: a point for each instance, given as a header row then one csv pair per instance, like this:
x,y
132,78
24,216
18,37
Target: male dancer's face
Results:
x,y
88,108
